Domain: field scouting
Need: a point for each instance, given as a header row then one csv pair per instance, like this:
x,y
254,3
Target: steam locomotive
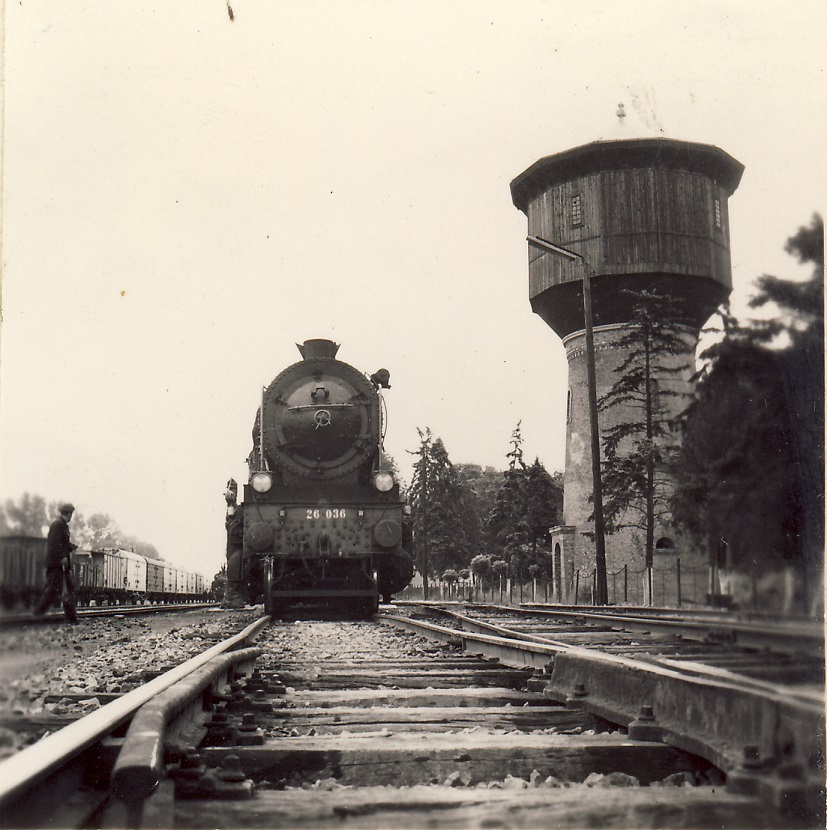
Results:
x,y
321,521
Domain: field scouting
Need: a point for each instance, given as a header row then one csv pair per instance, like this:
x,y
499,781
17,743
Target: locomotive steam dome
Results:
x,y
321,417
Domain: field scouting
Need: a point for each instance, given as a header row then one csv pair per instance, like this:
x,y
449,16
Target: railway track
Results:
x,y
756,713
791,653
16,619
356,724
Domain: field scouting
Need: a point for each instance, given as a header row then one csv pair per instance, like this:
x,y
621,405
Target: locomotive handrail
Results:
x,y
320,406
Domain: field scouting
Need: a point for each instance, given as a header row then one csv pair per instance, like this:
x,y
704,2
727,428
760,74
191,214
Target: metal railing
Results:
x,y
665,585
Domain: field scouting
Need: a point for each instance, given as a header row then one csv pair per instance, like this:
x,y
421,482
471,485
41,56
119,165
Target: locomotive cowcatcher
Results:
x,y
321,520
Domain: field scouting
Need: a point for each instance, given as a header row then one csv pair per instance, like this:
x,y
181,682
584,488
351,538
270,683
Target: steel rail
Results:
x,y
96,612
709,716
703,612
684,667
682,613
795,636
761,633
32,765
139,767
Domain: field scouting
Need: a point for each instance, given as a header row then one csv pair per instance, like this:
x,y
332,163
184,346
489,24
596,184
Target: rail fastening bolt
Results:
x,y
646,713
752,758
190,767
231,770
191,759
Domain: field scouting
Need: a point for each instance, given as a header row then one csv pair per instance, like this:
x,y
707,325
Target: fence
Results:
x,y
671,586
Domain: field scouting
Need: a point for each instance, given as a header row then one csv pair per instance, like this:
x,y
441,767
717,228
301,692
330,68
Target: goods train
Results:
x,y
321,521
102,577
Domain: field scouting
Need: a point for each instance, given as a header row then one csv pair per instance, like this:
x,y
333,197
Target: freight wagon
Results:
x,y
109,576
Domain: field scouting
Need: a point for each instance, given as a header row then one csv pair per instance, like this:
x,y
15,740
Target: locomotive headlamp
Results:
x,y
383,481
381,378
261,482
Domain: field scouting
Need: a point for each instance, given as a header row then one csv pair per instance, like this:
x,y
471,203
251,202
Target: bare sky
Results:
x,y
186,196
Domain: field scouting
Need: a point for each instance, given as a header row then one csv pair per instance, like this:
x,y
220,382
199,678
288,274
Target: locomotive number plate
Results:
x,y
312,515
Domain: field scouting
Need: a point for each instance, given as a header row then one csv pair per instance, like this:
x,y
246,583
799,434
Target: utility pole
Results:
x,y
602,587
424,521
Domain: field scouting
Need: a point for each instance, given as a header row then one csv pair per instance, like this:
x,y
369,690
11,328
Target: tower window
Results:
x,y
718,214
576,211
568,407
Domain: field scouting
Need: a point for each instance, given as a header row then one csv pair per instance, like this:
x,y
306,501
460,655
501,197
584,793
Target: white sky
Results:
x,y
186,197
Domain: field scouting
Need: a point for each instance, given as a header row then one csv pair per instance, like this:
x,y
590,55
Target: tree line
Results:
x,y
31,515
473,519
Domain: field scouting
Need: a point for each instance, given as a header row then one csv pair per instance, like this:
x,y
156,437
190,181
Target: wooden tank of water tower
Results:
x,y
640,213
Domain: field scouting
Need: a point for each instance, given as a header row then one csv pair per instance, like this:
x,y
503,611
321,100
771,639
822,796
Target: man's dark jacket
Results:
x,y
58,546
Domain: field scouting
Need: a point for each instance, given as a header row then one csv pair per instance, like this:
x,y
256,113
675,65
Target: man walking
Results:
x,y
59,565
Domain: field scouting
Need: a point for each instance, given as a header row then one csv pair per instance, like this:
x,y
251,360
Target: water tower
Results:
x,y
638,213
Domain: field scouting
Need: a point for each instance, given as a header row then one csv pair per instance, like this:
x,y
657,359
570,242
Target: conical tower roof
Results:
x,y
630,143
630,124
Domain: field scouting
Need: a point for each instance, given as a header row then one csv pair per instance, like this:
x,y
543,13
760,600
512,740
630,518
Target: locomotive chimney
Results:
x,y
318,348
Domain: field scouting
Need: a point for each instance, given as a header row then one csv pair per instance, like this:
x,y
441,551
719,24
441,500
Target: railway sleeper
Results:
x,y
766,747
429,806
416,759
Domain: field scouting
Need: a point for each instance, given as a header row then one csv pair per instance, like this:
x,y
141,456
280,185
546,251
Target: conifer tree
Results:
x,y
437,499
479,487
507,529
750,475
648,392
528,503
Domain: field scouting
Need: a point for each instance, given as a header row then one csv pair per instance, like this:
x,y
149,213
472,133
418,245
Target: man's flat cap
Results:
x,y
66,507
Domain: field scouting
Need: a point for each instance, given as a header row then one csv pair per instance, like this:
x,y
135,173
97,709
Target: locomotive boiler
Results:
x,y
321,520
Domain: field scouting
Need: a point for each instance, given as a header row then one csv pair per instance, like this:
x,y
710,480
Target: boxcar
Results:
x,y
160,580
170,582
122,572
86,577
101,576
186,585
22,570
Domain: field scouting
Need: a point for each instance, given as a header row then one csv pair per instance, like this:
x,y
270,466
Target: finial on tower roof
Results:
x,y
621,112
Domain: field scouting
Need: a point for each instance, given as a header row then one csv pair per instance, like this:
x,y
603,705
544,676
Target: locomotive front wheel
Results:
x,y
269,604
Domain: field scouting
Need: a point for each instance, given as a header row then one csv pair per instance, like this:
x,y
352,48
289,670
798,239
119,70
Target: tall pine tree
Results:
x,y
437,504
528,503
649,390
750,475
